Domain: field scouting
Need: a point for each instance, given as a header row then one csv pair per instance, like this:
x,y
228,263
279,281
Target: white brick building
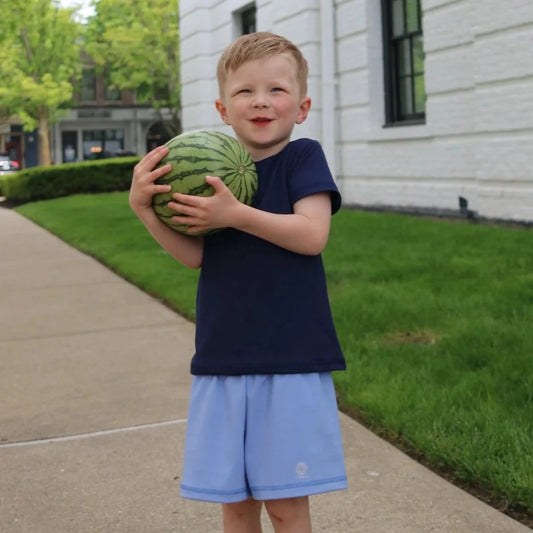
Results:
x,y
389,141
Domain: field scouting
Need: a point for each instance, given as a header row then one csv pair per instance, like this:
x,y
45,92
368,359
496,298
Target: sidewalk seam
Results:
x,y
102,433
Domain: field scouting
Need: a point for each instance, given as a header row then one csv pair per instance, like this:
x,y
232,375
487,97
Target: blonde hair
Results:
x,y
260,45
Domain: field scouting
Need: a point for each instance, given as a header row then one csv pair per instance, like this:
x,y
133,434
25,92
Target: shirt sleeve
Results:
x,y
310,173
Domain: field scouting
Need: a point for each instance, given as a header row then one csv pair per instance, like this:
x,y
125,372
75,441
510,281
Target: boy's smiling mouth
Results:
x,y
261,121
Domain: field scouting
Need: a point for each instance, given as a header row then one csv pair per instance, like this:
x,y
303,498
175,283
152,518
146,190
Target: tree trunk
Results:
x,y
44,140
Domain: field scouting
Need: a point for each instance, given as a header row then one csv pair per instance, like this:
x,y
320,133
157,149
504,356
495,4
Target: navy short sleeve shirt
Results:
x,y
262,309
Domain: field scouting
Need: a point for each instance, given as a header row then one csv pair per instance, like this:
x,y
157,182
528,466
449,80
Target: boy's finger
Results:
x,y
162,188
178,207
153,157
159,149
187,198
162,170
215,182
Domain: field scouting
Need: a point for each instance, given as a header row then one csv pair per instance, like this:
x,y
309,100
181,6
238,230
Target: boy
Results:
x,y
263,424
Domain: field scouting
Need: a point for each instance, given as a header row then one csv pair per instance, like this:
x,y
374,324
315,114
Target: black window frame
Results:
x,y
248,18
88,85
110,94
395,115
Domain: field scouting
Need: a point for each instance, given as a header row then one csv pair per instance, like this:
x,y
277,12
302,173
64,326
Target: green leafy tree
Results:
x,y
136,42
39,59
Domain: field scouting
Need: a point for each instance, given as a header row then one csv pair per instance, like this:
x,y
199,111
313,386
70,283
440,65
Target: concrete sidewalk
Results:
x,y
94,384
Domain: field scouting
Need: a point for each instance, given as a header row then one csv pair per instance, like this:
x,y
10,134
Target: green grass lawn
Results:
x,y
434,317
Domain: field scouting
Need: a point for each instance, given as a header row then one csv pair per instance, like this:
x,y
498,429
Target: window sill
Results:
x,y
401,123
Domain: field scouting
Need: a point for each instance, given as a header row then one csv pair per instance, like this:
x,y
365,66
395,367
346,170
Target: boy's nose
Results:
x,y
260,101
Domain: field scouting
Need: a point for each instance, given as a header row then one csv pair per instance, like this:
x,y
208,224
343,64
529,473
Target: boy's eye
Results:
x,y
277,89
246,91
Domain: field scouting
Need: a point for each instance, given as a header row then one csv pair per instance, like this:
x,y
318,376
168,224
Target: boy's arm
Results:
x,y
305,231
185,249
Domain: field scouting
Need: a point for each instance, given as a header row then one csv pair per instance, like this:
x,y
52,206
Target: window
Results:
x,y
110,93
248,22
405,94
88,85
69,144
98,144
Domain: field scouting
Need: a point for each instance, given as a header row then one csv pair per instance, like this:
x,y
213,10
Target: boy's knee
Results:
x,y
242,517
289,511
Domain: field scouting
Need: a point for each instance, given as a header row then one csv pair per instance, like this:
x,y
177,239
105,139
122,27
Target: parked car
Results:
x,y
7,165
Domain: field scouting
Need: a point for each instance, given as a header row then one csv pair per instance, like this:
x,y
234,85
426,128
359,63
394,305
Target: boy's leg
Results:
x,y
242,517
290,515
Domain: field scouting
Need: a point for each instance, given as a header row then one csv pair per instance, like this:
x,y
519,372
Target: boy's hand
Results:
x,y
143,187
201,213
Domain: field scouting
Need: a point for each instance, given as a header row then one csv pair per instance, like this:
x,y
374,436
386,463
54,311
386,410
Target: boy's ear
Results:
x,y
305,106
221,108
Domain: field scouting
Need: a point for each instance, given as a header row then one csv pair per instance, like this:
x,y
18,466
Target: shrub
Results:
x,y
40,183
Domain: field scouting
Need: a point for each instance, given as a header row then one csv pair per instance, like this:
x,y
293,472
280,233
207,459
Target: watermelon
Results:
x,y
197,154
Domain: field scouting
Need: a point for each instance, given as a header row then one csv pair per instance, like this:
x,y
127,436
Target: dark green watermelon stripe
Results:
x,y
237,151
224,172
181,176
224,157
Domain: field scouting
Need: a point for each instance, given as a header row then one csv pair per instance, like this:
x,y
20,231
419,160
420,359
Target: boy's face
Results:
x,y
261,100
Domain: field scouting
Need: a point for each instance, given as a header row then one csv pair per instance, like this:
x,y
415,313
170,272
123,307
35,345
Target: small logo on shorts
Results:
x,y
301,470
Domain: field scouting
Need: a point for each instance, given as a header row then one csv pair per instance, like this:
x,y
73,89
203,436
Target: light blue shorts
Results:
x,y
262,436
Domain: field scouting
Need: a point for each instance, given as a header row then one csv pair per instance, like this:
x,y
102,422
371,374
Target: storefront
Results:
x,y
11,142
89,134
91,144
21,146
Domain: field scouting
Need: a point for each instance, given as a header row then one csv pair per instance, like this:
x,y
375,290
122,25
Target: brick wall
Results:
x,y
477,141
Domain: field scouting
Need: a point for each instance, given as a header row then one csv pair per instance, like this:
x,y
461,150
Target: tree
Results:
x,y
136,42
39,59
